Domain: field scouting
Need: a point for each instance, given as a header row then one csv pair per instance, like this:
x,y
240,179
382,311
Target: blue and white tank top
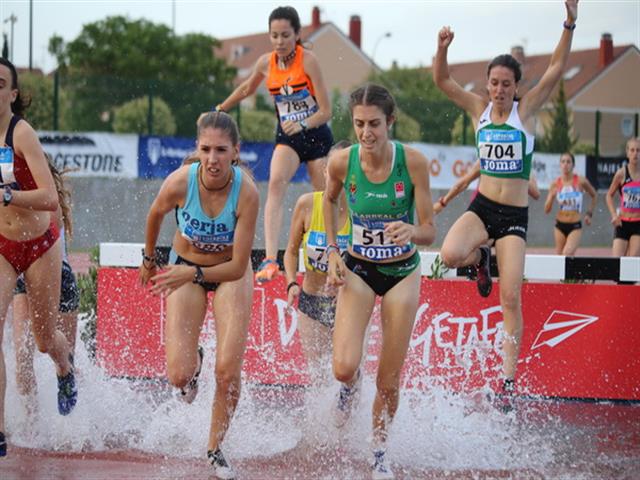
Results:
x,y
203,232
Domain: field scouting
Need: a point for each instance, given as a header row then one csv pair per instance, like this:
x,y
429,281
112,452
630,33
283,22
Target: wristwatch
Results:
x,y
303,124
7,195
199,276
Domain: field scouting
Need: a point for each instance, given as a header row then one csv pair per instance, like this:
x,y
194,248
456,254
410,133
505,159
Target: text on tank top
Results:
x,y
203,232
14,170
373,205
569,197
504,150
314,240
291,88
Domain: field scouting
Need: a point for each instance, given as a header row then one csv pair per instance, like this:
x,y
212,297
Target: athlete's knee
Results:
x,y
343,370
510,299
44,341
227,373
451,257
179,374
278,186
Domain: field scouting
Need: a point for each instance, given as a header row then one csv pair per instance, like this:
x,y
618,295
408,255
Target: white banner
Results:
x,y
447,164
93,154
546,167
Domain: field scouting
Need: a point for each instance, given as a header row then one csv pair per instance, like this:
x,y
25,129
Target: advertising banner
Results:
x,y
600,170
93,154
447,164
577,341
159,156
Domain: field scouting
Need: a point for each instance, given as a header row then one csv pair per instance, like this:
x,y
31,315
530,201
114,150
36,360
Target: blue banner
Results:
x,y
159,156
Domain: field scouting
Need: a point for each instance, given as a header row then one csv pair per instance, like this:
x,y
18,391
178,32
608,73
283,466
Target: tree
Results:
x,y
340,118
116,60
39,89
406,129
132,117
257,126
418,97
558,137
456,132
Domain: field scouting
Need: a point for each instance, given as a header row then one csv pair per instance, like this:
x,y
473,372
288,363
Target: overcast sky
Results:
x,y
483,28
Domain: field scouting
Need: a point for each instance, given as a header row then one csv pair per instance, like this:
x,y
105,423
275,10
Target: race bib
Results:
x,y
316,246
296,107
631,198
7,176
500,151
208,243
369,239
570,200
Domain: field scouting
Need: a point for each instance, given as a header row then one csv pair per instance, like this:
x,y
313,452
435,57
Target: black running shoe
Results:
x,y
504,401
3,445
221,468
483,269
190,390
67,391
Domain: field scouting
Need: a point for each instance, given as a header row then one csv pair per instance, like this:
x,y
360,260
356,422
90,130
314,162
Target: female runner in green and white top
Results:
x,y
505,148
386,185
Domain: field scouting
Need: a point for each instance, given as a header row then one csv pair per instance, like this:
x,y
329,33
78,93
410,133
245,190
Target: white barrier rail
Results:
x,y
537,267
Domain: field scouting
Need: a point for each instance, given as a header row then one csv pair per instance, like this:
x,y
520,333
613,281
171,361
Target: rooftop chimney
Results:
x,y
517,52
606,50
355,29
315,18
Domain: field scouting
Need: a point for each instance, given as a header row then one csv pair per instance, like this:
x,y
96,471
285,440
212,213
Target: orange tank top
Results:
x,y
292,89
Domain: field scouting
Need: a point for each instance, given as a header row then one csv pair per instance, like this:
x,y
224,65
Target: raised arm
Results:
x,y
468,101
248,86
533,100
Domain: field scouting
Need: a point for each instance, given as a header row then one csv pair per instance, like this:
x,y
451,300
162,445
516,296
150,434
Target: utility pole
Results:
x,y
13,19
30,35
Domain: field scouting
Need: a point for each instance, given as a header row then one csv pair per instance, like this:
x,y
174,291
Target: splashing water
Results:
x,y
435,432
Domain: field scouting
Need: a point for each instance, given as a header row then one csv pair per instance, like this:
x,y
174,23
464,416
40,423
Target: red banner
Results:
x,y
579,340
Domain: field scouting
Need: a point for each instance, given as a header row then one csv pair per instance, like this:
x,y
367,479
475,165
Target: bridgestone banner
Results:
x,y
93,154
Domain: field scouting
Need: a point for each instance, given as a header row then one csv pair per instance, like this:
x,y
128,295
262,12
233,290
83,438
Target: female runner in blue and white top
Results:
x,y
505,149
217,207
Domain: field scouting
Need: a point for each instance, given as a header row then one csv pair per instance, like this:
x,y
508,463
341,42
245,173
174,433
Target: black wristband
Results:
x,y
147,258
292,284
198,277
568,27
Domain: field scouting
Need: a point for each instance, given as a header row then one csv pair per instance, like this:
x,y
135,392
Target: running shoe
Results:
x,y
3,445
505,400
190,390
483,269
221,468
347,398
381,470
267,270
67,391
